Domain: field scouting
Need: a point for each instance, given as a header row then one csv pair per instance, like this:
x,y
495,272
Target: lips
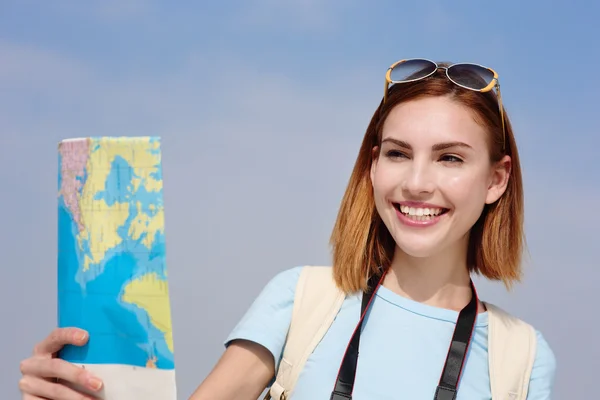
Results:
x,y
419,214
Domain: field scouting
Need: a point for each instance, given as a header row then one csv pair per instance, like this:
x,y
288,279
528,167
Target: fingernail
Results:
x,y
80,336
94,383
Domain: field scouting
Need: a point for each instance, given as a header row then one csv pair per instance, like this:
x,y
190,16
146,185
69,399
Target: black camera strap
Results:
x,y
450,377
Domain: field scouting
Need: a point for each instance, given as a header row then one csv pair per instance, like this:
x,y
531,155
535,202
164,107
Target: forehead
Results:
x,y
432,120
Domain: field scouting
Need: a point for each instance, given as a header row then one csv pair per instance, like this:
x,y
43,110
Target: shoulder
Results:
x,y
276,297
267,319
544,365
283,283
544,370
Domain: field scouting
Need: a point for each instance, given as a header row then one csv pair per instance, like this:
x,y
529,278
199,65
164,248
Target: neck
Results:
x,y
442,280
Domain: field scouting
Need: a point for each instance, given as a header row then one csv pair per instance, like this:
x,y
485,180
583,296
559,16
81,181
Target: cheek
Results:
x,y
384,182
465,189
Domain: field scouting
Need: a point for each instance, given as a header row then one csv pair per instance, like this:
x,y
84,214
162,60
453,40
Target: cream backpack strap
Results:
x,y
511,354
316,304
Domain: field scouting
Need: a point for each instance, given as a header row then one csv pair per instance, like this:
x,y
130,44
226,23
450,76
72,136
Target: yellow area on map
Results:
x,y
146,224
145,166
151,293
103,219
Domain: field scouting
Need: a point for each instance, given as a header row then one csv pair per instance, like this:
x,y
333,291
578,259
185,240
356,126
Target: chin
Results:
x,y
418,250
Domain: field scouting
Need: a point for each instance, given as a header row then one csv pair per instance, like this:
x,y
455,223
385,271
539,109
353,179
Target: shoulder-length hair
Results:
x,y
361,243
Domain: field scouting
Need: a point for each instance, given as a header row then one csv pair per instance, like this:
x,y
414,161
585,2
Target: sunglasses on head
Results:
x,y
466,75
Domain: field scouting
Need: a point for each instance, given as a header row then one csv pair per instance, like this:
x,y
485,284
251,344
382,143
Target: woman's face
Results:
x,y
433,175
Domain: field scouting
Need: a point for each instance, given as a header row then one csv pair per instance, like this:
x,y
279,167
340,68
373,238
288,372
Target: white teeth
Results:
x,y
420,212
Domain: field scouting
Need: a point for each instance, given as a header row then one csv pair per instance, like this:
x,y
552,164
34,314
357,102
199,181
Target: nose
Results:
x,y
419,179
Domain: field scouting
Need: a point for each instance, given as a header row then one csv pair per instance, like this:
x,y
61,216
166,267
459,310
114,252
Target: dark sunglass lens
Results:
x,y
412,70
470,76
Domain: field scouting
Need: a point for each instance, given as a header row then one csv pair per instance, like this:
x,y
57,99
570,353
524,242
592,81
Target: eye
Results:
x,y
393,154
451,158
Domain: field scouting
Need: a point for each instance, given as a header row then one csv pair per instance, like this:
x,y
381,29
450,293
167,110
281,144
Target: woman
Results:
x,y
435,195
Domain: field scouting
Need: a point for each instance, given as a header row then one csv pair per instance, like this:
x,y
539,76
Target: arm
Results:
x,y
255,345
543,373
242,373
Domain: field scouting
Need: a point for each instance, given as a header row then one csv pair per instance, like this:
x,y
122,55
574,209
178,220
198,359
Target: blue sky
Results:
x,y
261,106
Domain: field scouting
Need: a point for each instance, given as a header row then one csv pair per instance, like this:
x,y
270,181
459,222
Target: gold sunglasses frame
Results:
x,y
493,84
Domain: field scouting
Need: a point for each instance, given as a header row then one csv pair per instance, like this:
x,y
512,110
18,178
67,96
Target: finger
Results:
x,y
41,388
30,397
57,368
58,338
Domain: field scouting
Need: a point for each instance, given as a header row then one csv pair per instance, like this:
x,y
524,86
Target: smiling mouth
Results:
x,y
420,214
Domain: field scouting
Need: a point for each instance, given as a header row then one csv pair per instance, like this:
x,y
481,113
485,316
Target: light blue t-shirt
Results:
x,y
403,347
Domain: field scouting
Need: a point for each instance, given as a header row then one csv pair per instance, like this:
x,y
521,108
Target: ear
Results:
x,y
374,159
498,182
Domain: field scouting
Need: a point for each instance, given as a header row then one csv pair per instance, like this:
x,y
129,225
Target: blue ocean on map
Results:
x,y
120,333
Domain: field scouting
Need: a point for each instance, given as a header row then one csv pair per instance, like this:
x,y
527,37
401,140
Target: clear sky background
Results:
x,y
261,106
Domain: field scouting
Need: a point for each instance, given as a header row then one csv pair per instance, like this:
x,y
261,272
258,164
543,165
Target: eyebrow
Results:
x,y
435,147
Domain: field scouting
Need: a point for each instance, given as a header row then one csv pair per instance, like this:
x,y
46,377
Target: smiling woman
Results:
x,y
443,160
435,196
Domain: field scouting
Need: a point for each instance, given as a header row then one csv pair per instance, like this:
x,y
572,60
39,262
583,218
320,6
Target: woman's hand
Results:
x,y
46,377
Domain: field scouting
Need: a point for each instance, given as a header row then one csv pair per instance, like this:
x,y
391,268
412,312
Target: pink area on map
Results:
x,y
74,157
